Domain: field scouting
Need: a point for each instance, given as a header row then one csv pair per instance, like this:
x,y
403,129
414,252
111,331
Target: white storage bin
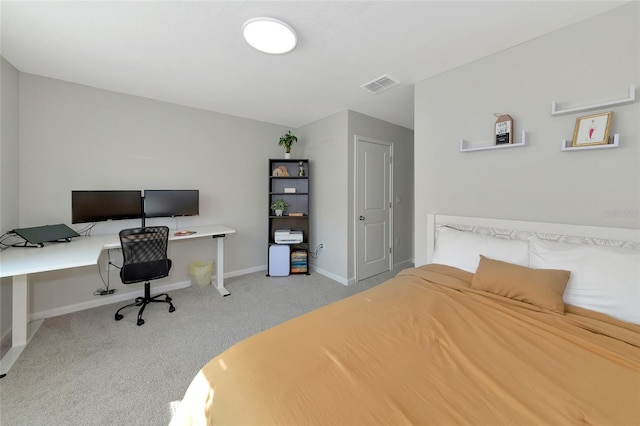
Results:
x,y
279,258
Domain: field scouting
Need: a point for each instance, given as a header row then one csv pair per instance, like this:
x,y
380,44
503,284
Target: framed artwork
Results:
x,y
592,129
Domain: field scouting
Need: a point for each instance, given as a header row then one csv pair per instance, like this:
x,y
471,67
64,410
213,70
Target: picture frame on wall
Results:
x,y
592,129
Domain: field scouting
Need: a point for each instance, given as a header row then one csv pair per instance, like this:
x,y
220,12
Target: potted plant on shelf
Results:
x,y
287,140
278,206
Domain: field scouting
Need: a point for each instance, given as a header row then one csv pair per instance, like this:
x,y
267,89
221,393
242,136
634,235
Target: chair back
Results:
x,y
144,252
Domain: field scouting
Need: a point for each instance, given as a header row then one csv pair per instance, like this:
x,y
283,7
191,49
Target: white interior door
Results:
x,y
373,207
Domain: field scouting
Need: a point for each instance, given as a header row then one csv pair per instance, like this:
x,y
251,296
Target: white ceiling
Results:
x,y
192,52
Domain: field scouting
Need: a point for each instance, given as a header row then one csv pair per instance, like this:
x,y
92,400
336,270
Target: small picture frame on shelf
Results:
x,y
592,129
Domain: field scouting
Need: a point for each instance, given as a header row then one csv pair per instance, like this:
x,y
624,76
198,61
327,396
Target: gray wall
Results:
x,y
329,144
78,137
402,139
325,147
9,172
592,61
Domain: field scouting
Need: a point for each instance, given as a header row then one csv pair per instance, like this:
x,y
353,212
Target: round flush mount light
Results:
x,y
269,35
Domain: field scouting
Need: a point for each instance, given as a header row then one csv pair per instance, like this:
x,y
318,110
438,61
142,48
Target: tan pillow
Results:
x,y
540,287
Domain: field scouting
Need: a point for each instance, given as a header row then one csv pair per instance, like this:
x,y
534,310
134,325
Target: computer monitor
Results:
x,y
98,206
171,202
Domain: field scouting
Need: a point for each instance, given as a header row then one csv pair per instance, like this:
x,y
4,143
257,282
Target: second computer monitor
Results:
x,y
171,202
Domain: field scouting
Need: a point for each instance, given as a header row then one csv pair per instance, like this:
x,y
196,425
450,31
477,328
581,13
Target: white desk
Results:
x,y
19,262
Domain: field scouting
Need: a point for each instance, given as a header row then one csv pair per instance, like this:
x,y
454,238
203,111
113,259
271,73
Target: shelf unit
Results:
x,y
598,105
614,143
464,144
294,190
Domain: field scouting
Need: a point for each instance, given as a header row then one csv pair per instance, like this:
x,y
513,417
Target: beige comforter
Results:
x,y
424,348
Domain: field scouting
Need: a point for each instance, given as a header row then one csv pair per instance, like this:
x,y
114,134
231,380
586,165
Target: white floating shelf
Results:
x,y
614,143
629,99
464,144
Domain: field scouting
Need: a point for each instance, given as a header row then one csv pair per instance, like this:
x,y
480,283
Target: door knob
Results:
x,y
361,217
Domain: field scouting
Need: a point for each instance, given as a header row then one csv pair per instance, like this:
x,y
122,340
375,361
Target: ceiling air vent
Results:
x,y
381,83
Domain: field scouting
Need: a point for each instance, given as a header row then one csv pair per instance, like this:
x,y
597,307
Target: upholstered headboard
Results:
x,y
522,230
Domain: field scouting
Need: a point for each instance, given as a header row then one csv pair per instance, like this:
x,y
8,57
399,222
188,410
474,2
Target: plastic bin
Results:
x,y
279,260
201,273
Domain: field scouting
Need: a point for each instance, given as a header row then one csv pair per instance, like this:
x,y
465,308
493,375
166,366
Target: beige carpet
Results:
x,y
87,369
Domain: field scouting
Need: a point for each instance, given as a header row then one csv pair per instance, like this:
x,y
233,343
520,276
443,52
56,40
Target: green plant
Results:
x,y
287,140
279,205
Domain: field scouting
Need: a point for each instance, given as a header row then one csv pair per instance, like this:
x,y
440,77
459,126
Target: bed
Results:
x,y
510,323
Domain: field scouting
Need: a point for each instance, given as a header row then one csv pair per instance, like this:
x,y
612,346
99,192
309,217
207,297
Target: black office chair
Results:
x,y
144,253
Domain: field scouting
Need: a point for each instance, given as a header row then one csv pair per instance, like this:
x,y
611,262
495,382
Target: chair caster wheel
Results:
x,y
172,309
140,322
119,317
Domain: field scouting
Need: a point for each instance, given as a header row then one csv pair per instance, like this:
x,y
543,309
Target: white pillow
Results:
x,y
603,279
463,249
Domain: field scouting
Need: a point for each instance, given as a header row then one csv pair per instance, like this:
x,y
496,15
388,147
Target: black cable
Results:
x,y
314,254
6,236
105,291
87,229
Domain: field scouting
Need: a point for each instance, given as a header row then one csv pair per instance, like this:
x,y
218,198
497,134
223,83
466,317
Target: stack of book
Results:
x,y
298,261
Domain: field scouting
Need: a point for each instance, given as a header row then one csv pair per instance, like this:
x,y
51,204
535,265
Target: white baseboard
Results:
x,y
328,274
105,300
408,263
6,338
122,297
246,271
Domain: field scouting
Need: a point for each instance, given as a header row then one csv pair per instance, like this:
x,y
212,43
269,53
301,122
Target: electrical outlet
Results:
x,y
321,246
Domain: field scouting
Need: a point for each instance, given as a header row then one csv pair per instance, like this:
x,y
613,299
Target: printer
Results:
x,y
287,236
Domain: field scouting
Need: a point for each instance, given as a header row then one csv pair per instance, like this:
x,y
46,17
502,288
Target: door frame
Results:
x,y
356,188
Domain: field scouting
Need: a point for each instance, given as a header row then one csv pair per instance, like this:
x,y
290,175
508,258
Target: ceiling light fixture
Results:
x,y
269,35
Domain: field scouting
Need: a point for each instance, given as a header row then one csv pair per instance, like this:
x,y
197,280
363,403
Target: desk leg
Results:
x,y
20,321
21,330
220,268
